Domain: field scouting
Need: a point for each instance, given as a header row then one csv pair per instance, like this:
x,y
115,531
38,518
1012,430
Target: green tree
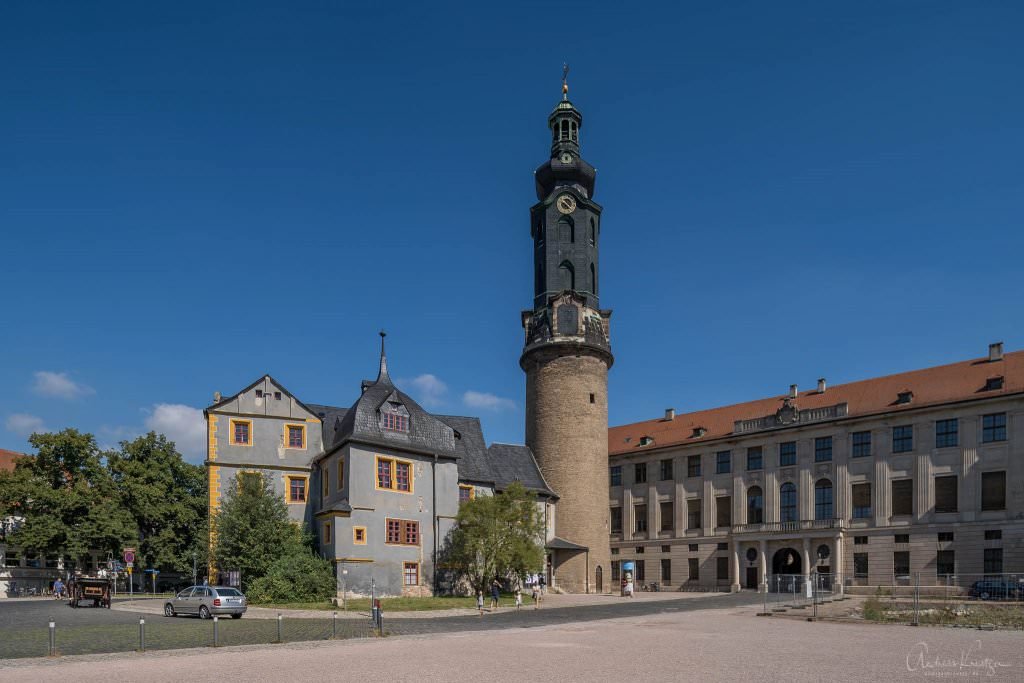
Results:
x,y
496,536
252,529
66,498
166,497
300,576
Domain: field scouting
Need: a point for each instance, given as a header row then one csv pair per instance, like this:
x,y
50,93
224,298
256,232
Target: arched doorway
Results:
x,y
786,565
599,579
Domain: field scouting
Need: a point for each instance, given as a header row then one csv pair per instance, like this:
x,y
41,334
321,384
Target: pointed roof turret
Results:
x,y
382,375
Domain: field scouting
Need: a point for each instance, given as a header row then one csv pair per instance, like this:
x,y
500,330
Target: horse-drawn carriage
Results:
x,y
97,589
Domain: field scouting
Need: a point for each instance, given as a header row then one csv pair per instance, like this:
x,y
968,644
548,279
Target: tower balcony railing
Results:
x,y
788,527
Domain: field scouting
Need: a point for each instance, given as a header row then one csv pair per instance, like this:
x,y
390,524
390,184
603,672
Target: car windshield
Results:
x,y
228,592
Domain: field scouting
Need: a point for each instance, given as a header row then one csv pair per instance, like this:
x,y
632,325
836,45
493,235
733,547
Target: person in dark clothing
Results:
x,y
495,593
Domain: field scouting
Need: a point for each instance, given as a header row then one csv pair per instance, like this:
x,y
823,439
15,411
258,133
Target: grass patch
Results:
x,y
403,604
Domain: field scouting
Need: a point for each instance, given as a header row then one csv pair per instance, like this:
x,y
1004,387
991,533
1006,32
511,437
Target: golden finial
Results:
x,y
565,84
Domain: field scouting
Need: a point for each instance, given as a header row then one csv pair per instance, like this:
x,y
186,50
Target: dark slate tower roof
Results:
x,y
566,166
364,421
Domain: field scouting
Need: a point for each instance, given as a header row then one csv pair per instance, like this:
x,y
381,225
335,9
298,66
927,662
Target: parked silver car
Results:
x,y
207,601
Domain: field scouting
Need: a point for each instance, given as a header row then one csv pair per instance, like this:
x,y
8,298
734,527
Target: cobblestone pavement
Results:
x,y
672,643
88,630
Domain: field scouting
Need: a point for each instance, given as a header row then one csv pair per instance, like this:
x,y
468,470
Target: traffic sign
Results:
x,y
129,570
129,555
129,565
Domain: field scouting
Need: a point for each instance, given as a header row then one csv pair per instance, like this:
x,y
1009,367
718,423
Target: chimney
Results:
x,y
670,414
995,351
792,391
216,397
821,385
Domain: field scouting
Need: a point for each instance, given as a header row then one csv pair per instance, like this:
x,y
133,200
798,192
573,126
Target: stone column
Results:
x,y
839,570
763,570
708,508
653,512
807,565
680,509
735,566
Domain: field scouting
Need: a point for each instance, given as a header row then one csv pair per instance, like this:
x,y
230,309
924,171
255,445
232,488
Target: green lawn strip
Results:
x,y
401,604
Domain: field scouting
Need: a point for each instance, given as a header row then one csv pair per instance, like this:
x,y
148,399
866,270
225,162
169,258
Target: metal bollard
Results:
x,y
279,622
142,634
216,635
334,626
53,638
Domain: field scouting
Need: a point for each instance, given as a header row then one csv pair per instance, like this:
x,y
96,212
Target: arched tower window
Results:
x,y
565,130
567,275
593,232
755,505
823,508
593,279
573,131
566,230
787,502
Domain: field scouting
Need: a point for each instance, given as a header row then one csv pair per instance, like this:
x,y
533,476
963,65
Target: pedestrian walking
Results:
x,y
519,599
536,596
542,584
58,589
480,601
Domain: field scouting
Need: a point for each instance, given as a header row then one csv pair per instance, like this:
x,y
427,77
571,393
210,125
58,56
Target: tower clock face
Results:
x,y
566,158
566,203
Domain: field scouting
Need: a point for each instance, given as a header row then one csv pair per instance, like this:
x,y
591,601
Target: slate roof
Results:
x,y
470,447
963,381
330,416
511,463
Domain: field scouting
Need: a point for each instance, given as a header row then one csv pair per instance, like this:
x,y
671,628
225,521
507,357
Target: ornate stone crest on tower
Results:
x,y
788,414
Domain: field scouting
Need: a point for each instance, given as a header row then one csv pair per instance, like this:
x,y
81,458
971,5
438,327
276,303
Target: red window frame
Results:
x,y
402,532
410,570
297,489
295,436
412,533
396,422
403,472
384,473
240,429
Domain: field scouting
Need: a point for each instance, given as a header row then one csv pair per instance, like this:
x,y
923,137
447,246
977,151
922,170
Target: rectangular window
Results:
x,y
616,576
666,548
993,534
341,473
755,458
615,551
901,563
723,509
325,483
295,436
993,427
903,439
638,566
722,546
993,490
410,574
860,565
616,520
394,422
944,562
640,518
465,493
639,550
861,444
823,449
860,540
945,494
947,433
723,462
359,535
723,568
394,475
666,570
615,475
693,569
241,432
640,473
993,559
861,500
667,514
666,470
945,537
787,453
296,489
901,538
693,513
692,547
693,466
902,497
402,532
327,532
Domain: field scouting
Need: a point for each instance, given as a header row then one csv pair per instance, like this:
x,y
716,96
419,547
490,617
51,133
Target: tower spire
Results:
x,y
565,81
382,375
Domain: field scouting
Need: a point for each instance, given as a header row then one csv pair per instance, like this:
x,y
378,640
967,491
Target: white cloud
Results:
x,y
184,425
485,401
58,384
429,390
24,424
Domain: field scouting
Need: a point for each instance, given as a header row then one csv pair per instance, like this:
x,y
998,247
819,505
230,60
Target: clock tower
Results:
x,y
566,358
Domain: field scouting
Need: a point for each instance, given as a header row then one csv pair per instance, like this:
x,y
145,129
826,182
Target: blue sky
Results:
x,y
196,194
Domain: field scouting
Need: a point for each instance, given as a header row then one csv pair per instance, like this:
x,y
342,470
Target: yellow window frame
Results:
x,y
325,487
356,533
287,441
471,489
393,464
288,488
231,433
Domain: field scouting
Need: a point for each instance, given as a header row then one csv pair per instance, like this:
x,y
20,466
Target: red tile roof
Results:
x,y
932,386
8,458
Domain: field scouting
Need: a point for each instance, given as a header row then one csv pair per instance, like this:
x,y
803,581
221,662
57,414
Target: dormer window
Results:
x,y
393,417
698,432
646,440
905,396
993,383
259,393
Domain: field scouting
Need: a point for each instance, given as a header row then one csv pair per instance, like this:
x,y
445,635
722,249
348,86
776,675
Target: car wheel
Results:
x,y
168,610
984,595
204,612
236,616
